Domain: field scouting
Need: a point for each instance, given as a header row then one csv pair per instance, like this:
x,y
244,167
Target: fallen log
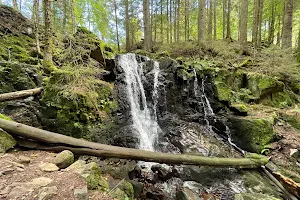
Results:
x,y
20,94
79,146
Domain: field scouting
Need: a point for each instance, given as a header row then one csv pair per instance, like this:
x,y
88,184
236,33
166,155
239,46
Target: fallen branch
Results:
x,y
20,94
79,146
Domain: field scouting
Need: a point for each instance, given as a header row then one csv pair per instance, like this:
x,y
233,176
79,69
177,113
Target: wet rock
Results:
x,y
48,167
64,159
127,136
117,168
137,188
6,141
46,193
253,196
81,193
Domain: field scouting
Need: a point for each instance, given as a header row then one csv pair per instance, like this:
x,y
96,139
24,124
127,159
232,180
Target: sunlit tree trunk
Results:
x,y
175,21
224,17
255,22
185,20
287,29
171,32
47,60
65,16
272,24
260,13
178,21
72,15
215,19
201,20
210,20
168,33
116,21
161,22
35,19
127,26
147,25
298,46
279,31
243,22
228,32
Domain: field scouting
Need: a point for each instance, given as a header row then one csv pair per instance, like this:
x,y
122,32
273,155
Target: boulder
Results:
x,y
81,193
46,193
6,141
48,167
253,196
64,159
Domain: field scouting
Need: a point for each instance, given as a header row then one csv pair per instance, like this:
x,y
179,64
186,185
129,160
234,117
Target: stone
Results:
x,y
253,196
46,193
81,193
6,141
48,167
78,165
39,182
294,153
240,109
64,159
24,160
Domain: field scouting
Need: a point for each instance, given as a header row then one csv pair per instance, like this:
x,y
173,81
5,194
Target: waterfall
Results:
x,y
143,120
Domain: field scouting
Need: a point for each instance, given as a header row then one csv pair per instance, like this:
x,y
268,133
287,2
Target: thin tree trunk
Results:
x,y
171,32
188,20
47,61
155,24
127,26
255,22
168,33
147,25
272,24
117,30
243,22
20,94
287,29
215,19
279,30
210,20
201,20
35,19
175,21
260,13
102,150
185,20
228,32
298,46
65,16
15,4
224,17
72,15
178,21
161,22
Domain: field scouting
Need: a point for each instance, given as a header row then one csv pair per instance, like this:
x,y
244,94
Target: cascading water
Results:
x,y
143,120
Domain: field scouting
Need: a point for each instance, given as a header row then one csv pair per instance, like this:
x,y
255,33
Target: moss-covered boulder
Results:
x,y
240,109
64,159
253,196
252,134
6,141
123,191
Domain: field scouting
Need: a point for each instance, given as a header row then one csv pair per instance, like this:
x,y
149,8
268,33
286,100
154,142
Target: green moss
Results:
x,y
92,174
5,117
253,196
6,141
223,92
119,194
292,119
253,134
240,108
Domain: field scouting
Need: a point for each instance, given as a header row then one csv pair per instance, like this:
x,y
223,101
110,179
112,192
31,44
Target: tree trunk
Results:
x,y
185,20
72,15
210,20
15,4
35,19
175,21
102,150
65,16
155,23
19,94
255,22
287,29
272,24
127,26
147,25
243,22
168,33
298,46
278,33
47,61
215,19
178,21
161,22
228,32
116,21
260,13
201,20
224,17
171,32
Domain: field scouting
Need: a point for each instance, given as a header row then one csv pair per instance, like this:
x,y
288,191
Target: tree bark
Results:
x,y
168,22
19,94
147,25
287,29
272,24
117,30
224,17
72,15
35,19
171,32
228,32
201,20
127,26
175,21
260,13
15,4
210,20
65,16
178,21
298,46
243,22
255,22
215,19
47,61
79,146
161,22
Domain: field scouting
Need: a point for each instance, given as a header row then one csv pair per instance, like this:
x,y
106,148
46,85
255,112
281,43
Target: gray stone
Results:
x,y
46,193
64,159
81,193
48,167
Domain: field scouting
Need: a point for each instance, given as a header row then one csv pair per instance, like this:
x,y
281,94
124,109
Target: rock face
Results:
x,y
6,141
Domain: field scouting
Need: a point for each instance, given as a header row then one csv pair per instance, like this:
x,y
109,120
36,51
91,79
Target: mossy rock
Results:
x,y
293,118
6,141
240,108
252,134
64,159
223,92
119,194
127,189
253,196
